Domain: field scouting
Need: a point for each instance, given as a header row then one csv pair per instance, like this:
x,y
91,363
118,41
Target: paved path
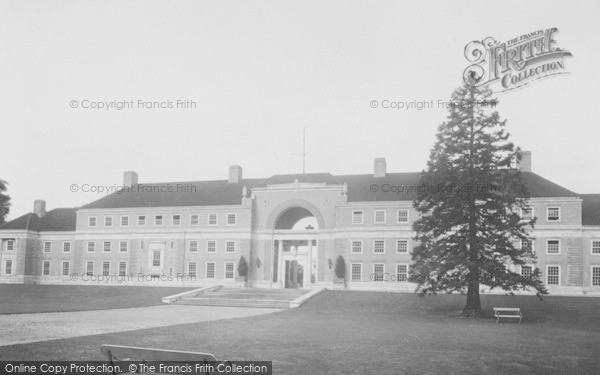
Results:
x,y
24,328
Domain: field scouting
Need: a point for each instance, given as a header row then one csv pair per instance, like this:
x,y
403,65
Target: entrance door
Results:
x,y
294,274
156,259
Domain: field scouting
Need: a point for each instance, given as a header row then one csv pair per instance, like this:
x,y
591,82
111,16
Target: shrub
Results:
x,y
340,267
242,267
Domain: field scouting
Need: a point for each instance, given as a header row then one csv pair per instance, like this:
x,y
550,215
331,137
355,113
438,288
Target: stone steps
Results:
x,y
234,302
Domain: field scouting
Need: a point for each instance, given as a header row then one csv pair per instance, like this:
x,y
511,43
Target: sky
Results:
x,y
259,72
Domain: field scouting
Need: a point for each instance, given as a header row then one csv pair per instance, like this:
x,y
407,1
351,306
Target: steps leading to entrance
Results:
x,y
234,302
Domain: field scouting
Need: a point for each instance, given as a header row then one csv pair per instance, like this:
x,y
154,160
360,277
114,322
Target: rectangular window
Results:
x,y
10,245
8,263
212,219
553,247
401,246
231,219
108,221
527,246
194,219
66,247
378,271
91,247
229,270
356,271
66,268
210,270
553,214
230,246
158,219
193,246
122,268
357,247
47,246
527,213
211,246
106,268
526,271
357,217
553,275
192,271
379,217
106,246
89,268
124,221
46,268
379,246
401,272
595,276
403,216
156,258
176,219
123,246
141,220
92,221
595,246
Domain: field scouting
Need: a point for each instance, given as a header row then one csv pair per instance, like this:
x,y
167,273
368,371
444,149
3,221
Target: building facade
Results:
x,y
289,228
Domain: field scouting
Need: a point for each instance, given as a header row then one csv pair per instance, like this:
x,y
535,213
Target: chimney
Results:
x,y
130,178
39,207
235,174
379,169
525,164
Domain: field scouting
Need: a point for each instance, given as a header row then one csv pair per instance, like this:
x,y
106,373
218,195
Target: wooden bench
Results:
x,y
507,312
117,353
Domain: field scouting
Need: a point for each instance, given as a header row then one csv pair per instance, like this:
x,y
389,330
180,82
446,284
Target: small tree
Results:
x,y
242,267
340,267
4,202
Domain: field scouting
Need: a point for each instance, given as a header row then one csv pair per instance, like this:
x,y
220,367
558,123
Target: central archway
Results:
x,y
291,212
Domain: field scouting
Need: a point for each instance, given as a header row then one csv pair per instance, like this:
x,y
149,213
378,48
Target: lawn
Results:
x,y
342,332
20,298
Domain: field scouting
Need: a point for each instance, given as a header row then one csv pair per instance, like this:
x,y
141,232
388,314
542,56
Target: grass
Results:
x,y
342,332
20,298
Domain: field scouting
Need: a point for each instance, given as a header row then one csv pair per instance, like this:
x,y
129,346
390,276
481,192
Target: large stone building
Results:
x,y
191,233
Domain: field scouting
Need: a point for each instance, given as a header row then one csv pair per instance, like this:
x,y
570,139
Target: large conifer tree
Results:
x,y
470,203
4,202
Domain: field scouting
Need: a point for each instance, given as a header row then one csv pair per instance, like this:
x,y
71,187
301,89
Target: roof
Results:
x,y
590,210
59,219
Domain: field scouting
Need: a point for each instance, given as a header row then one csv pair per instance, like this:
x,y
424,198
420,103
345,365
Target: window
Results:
x,y
553,214
379,246
123,246
158,220
172,244
527,246
92,221
229,270
106,268
356,272
357,217
192,269
357,247
553,275
403,216
10,245
230,248
194,219
108,221
65,268
212,219
142,220
176,219
553,247
91,247
211,246
193,246
47,246
401,246
106,246
595,276
527,213
210,270
124,221
8,263
595,246
46,268
378,271
156,258
122,268
526,271
89,268
401,272
379,217
231,219
66,247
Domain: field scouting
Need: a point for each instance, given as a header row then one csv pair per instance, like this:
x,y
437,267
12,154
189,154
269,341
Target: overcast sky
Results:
x,y
260,71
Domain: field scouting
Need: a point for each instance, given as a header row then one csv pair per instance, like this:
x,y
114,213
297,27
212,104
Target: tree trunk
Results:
x,y
473,307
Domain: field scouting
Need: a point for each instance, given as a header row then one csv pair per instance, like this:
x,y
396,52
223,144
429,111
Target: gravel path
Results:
x,y
24,328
